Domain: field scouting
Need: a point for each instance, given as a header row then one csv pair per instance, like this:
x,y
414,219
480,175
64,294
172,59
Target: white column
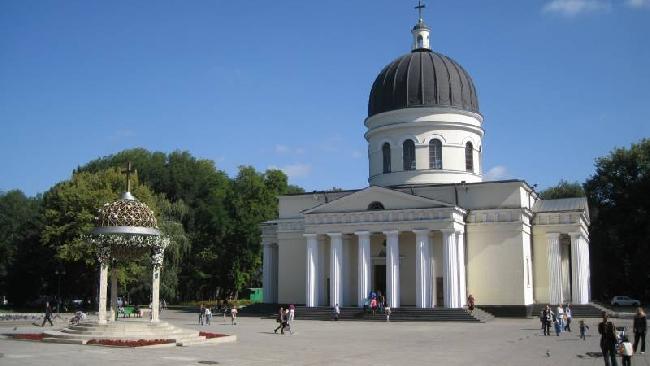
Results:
x,y
433,289
576,268
422,269
554,269
312,271
103,290
462,284
587,268
155,294
450,268
113,312
336,261
363,269
392,268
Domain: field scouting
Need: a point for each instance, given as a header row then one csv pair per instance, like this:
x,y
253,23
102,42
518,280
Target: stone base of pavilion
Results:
x,y
132,330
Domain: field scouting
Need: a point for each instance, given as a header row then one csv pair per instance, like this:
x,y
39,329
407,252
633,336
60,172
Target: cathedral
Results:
x,y
428,230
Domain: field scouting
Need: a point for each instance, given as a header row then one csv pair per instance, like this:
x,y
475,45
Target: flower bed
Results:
x,y
209,335
130,343
29,336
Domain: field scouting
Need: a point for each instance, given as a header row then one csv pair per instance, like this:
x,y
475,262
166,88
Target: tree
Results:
x,y
619,199
563,189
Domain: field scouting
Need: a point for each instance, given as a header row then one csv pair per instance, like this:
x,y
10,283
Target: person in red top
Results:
x,y
470,302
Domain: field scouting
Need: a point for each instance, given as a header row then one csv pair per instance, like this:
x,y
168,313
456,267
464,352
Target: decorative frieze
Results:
x,y
499,216
407,215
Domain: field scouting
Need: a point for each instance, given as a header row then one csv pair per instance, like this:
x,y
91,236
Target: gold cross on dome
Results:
x,y
420,7
128,172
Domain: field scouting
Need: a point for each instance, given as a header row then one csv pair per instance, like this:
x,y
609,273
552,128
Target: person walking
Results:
x,y
470,302
201,314
607,340
568,314
337,312
48,314
640,327
583,330
548,319
387,311
292,313
280,319
208,315
233,315
560,316
626,351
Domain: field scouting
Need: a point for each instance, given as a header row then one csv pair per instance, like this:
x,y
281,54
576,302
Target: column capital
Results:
x,y
362,233
576,235
552,235
309,236
390,232
335,235
448,231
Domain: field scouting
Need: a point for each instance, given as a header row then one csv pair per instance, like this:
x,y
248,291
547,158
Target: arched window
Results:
x,y
385,151
408,153
375,205
435,154
469,157
420,41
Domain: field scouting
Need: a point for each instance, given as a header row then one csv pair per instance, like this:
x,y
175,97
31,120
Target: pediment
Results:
x,y
389,199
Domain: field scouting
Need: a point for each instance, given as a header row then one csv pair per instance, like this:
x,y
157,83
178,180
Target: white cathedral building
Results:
x,y
428,231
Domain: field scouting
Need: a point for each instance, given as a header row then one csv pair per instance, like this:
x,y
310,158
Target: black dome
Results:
x,y
422,78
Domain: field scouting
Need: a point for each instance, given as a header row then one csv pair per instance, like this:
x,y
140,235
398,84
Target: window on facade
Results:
x,y
435,154
375,205
469,157
408,152
420,42
385,151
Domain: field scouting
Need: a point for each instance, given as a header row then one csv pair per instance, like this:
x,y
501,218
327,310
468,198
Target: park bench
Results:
x,y
128,311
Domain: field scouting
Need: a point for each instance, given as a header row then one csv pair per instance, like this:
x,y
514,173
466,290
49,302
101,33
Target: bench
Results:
x,y
128,311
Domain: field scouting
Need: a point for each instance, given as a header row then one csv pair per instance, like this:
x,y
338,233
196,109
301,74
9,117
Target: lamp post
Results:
x,y
59,273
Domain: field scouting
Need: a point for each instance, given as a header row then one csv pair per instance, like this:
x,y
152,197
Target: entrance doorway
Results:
x,y
379,279
440,295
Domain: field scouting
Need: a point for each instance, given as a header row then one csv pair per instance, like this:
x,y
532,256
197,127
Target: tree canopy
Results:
x,y
563,189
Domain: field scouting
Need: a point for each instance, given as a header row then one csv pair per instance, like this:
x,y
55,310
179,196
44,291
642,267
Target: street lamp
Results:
x,y
59,273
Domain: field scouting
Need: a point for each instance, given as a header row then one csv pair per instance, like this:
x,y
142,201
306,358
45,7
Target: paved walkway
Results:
x,y
499,342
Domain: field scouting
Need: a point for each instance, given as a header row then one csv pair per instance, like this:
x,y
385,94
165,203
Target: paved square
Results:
x,y
498,342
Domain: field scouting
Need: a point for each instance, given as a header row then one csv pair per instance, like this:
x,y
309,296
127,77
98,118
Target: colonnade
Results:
x,y
580,271
453,261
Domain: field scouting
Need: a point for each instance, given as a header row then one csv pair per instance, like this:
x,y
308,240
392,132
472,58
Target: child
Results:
x,y
558,326
583,330
626,351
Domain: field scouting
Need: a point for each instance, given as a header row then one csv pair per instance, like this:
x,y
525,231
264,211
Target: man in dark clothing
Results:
x,y
607,341
48,315
640,326
282,319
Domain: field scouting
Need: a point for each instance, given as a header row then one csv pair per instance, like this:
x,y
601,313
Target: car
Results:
x,y
625,301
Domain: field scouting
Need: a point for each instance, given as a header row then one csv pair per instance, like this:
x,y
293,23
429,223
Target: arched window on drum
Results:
x,y
408,154
385,152
469,157
435,154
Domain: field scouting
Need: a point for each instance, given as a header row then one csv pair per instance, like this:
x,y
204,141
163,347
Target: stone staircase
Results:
x,y
130,330
579,311
403,314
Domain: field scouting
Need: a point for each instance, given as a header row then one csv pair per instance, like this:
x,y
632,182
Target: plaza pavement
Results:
x,y
498,342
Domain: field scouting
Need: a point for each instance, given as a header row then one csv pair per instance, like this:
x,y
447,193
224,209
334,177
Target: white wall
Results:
x,y
292,263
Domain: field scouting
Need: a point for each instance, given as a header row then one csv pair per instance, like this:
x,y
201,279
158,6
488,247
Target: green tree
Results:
x,y
620,222
563,189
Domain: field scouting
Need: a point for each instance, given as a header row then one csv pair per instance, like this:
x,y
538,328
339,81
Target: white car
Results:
x,y
625,301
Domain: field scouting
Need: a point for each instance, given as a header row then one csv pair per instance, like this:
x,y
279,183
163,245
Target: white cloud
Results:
x,y
497,173
637,4
284,149
570,8
298,170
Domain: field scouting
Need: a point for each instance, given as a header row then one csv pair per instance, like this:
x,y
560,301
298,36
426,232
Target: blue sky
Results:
x,y
285,83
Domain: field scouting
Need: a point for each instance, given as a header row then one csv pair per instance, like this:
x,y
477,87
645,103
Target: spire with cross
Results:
x,y
420,7
128,171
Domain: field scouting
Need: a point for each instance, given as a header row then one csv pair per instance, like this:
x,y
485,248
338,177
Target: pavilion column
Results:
x,y
268,273
554,268
422,269
155,294
433,290
462,284
580,269
450,268
113,312
336,262
586,268
392,268
312,271
363,268
103,290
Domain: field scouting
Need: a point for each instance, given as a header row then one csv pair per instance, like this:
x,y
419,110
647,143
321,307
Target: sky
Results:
x,y
285,84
